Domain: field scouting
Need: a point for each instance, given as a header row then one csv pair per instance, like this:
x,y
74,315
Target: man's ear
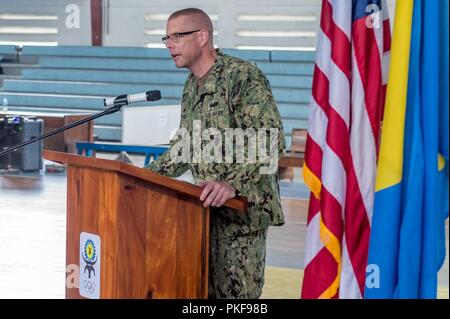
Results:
x,y
204,37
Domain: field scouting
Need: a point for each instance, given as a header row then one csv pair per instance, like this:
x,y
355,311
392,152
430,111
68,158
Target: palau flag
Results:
x,y
407,243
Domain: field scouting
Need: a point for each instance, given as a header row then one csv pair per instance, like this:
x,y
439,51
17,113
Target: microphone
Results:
x,y
115,105
126,99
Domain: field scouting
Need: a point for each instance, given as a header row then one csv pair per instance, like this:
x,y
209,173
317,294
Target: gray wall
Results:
x,y
268,24
45,22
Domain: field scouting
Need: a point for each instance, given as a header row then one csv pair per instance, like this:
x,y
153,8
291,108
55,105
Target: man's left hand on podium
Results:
x,y
216,193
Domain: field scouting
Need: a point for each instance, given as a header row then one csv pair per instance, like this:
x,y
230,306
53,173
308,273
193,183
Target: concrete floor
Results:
x,y
32,238
32,241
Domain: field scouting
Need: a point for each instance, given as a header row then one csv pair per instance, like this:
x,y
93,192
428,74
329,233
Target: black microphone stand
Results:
x,y
111,110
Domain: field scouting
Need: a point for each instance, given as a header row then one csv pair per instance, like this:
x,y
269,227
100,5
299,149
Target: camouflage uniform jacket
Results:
x,y
235,94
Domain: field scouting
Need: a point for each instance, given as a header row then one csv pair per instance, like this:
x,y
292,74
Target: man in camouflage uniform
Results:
x,y
225,92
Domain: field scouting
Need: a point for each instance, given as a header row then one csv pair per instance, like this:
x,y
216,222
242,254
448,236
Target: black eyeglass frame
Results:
x,y
177,36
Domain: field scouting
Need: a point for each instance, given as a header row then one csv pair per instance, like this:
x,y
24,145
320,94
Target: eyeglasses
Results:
x,y
175,37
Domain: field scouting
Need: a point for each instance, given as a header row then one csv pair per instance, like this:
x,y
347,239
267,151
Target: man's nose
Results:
x,y
169,44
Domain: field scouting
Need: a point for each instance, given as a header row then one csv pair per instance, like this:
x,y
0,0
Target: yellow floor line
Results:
x,y
282,283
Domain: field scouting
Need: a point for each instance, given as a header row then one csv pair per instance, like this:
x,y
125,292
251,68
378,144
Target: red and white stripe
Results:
x,y
341,151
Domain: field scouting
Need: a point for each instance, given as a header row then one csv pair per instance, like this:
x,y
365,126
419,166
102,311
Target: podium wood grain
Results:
x,y
154,230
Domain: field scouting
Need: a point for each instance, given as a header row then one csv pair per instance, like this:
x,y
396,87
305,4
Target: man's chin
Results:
x,y
179,64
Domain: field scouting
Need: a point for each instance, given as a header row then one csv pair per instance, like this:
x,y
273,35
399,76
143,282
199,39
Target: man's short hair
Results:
x,y
199,19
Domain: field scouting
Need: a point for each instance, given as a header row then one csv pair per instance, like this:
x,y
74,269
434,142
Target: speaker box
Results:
x,y
15,130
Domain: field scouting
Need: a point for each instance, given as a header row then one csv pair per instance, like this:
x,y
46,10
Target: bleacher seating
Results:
x,y
75,79
7,49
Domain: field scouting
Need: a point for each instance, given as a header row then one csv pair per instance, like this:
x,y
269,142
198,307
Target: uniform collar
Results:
x,y
209,87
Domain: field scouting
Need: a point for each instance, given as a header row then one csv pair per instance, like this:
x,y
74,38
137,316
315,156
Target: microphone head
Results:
x,y
153,95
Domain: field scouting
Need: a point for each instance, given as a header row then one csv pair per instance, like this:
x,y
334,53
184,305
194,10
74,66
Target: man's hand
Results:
x,y
216,193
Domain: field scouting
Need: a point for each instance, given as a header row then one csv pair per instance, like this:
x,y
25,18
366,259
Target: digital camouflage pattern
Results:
x,y
237,266
235,94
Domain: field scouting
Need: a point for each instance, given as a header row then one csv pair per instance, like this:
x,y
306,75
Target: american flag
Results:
x,y
347,103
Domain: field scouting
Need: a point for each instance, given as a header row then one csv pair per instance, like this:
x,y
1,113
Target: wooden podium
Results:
x,y
154,230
